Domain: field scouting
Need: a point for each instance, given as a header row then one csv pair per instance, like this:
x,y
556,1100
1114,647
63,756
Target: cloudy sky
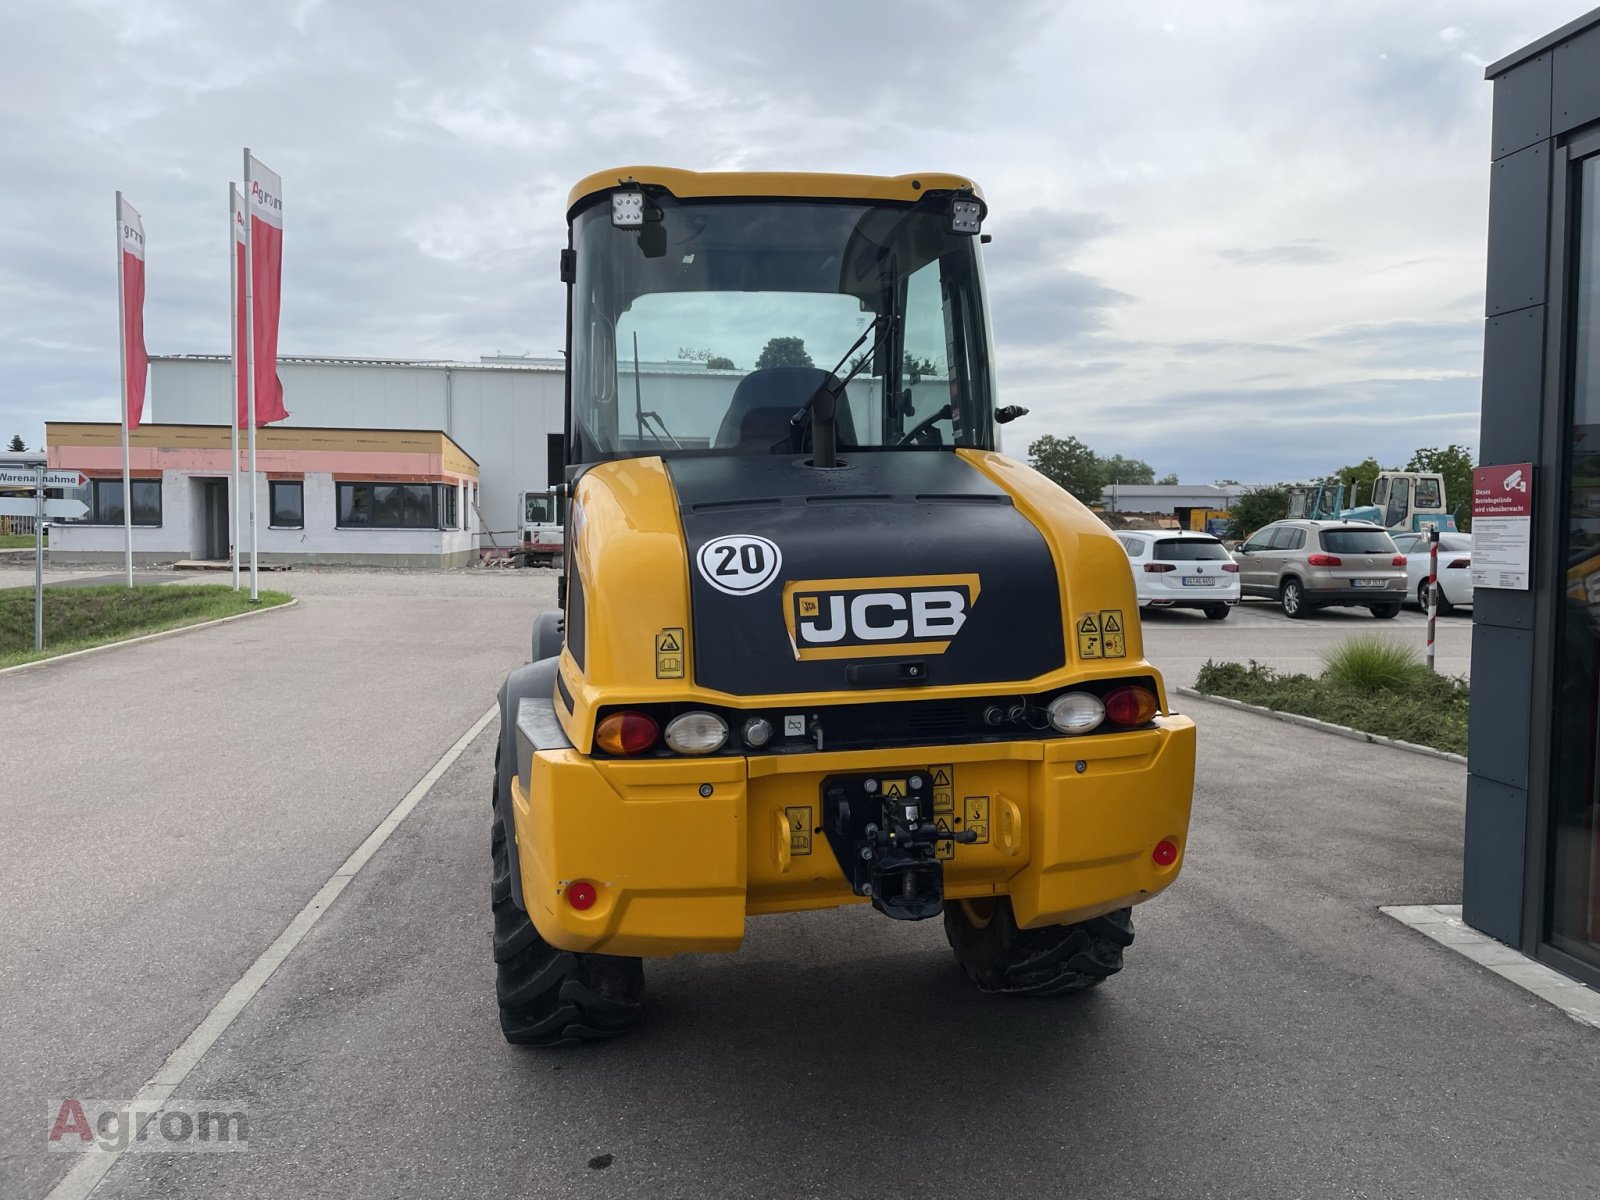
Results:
x,y
1236,239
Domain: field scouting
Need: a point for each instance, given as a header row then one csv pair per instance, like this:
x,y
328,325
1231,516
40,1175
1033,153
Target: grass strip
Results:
x,y
76,618
1363,688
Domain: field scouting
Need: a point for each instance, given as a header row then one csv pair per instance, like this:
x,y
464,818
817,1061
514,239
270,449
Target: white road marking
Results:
x,y
92,1167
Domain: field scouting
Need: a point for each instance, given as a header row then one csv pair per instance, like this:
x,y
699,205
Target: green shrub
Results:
x,y
1372,664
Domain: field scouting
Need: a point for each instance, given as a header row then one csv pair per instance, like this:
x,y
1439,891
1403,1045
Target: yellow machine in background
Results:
x,y
820,644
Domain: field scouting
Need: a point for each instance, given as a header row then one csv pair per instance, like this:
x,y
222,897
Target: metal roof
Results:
x,y
1533,49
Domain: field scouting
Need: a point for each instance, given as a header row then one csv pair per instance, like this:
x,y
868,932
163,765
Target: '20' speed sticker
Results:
x,y
739,564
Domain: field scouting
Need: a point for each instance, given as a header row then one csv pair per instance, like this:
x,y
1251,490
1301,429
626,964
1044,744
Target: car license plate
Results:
x,y
1369,582
1198,581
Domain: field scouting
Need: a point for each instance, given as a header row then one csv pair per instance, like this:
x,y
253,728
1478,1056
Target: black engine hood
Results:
x,y
899,569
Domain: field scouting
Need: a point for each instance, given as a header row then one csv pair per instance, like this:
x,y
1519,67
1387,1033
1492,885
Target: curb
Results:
x,y
144,637
1343,731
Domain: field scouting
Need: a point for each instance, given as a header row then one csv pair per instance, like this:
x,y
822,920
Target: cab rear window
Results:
x,y
1356,541
1189,550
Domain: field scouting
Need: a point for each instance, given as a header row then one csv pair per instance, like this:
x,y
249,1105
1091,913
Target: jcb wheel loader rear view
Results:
x,y
819,643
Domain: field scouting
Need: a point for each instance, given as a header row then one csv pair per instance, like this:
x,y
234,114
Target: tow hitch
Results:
x,y
882,832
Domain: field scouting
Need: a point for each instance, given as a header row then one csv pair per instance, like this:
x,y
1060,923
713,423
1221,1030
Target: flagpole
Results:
x,y
233,380
122,356
250,362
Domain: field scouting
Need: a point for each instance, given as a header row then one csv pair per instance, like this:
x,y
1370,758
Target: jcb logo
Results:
x,y
867,618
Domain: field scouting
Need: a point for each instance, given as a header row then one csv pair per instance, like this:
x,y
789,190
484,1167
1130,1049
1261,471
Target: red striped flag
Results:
x,y
266,284
130,238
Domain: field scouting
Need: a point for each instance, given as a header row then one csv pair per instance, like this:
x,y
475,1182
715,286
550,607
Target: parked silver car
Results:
x,y
1306,565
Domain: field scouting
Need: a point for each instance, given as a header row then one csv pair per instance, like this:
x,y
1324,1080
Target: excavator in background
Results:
x,y
1401,502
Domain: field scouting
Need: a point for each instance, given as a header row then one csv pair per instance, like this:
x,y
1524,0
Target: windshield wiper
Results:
x,y
822,405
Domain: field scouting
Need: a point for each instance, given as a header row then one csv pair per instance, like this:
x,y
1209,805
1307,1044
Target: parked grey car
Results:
x,y
1307,565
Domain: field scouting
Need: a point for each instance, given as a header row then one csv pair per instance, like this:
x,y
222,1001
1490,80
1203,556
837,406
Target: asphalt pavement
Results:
x,y
1273,1034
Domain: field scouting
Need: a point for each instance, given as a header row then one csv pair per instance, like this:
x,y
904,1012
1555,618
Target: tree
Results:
x,y
912,368
1358,481
1117,469
1455,464
1257,506
718,363
784,352
17,444
1069,463
1170,480
713,361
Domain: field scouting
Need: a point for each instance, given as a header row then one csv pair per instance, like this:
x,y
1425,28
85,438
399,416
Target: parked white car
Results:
x,y
1455,569
1175,568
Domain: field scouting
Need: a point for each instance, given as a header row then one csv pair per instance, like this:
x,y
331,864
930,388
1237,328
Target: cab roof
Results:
x,y
798,184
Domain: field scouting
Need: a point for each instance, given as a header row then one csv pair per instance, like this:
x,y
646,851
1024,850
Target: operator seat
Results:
x,y
765,400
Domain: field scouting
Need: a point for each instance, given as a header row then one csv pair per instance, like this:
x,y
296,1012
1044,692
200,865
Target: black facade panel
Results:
x,y
1492,875
1502,606
1513,387
1522,106
1575,83
1502,690
1519,222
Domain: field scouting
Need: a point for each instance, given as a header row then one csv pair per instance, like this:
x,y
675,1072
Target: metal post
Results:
x,y
38,552
1433,589
250,363
233,391
122,357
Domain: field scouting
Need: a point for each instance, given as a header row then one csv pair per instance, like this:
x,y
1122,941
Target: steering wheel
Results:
x,y
924,426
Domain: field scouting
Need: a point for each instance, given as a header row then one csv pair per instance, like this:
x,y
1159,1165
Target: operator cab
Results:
x,y
760,325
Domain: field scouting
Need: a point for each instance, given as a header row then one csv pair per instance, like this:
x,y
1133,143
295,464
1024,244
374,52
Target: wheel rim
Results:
x,y
1422,596
979,912
1291,598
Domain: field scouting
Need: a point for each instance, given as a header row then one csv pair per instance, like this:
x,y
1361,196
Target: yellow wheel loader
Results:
x,y
819,643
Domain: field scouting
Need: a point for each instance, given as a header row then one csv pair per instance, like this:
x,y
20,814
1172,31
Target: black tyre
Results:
x,y
1385,612
1292,599
1445,607
1051,961
551,997
1217,612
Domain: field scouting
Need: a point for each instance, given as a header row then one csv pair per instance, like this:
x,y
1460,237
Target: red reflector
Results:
x,y
1399,560
1165,853
1130,706
1460,563
1325,560
626,733
1232,568
582,895
1158,568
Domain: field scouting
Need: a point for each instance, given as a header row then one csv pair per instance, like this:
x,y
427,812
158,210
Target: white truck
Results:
x,y
543,529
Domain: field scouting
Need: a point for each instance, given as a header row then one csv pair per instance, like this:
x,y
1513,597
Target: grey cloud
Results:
x,y
1299,252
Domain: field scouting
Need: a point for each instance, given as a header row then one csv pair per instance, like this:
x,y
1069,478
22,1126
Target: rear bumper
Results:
x,y
1392,593
681,851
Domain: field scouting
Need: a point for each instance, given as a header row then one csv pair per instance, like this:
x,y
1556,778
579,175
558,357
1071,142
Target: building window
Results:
x,y
104,498
391,505
287,502
447,510
1573,915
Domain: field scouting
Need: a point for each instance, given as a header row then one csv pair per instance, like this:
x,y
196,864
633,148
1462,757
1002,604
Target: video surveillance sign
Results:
x,y
1502,525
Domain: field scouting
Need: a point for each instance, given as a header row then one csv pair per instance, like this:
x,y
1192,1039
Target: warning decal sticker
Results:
x,y
1089,636
1113,641
669,654
977,816
799,819
944,806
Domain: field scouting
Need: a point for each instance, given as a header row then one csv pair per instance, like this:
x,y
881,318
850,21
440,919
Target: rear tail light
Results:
x,y
626,733
697,733
1459,564
1232,568
1165,853
581,895
1399,560
1131,706
1324,560
1158,568
1076,712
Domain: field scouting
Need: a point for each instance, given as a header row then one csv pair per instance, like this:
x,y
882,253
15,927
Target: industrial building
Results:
x,y
347,497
